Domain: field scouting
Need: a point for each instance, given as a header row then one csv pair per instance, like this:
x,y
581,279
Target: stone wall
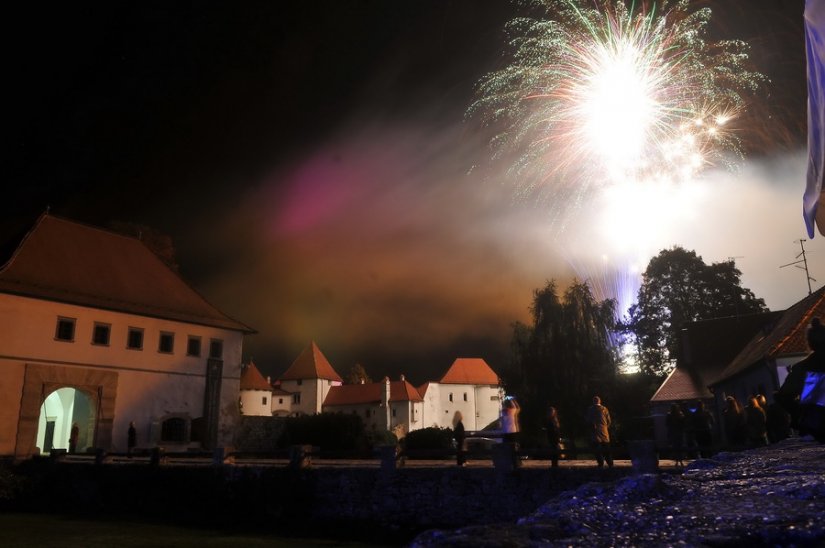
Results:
x,y
330,501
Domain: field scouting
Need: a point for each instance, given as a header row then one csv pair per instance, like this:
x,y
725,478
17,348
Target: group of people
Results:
x,y
798,405
597,416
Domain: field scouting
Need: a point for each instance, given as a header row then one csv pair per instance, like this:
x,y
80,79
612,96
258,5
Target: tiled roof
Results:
x,y
469,371
423,389
64,261
357,394
251,379
311,364
680,385
788,336
706,348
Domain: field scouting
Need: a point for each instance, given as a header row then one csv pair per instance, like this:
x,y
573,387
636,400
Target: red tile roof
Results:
x,y
706,348
469,371
680,385
251,379
311,364
64,261
358,394
787,337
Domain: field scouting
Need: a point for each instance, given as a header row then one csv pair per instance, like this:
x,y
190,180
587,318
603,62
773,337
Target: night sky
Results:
x,y
313,165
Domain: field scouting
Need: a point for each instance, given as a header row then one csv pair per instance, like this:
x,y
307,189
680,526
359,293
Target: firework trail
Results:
x,y
603,96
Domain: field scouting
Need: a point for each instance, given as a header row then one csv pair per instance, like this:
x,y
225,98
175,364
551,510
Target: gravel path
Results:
x,y
772,496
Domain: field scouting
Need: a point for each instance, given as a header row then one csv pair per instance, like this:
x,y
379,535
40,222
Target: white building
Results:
x,y
309,380
395,406
469,386
311,385
256,393
95,330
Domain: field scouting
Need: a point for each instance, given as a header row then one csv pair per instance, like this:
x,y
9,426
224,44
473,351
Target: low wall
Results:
x,y
321,500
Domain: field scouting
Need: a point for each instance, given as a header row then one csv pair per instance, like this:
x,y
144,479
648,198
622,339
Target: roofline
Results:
x,y
22,241
244,329
664,382
806,317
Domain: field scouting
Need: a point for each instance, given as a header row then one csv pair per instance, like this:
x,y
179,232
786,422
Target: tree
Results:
x,y
357,375
565,357
678,287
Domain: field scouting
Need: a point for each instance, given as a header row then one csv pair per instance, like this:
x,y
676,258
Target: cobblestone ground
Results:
x,y
773,496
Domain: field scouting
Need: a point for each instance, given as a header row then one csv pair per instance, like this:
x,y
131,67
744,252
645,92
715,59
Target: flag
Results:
x,y
815,50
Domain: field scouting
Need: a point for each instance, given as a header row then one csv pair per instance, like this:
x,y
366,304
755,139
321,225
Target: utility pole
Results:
x,y
804,262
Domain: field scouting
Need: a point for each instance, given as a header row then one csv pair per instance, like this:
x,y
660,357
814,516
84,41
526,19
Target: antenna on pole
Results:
x,y
804,261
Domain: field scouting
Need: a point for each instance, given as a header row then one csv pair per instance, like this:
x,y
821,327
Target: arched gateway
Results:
x,y
64,413
54,398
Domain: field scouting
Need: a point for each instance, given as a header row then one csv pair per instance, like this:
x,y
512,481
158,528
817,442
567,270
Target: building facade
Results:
x,y
97,332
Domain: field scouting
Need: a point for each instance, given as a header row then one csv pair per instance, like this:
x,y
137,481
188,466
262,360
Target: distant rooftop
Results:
x,y
469,371
311,364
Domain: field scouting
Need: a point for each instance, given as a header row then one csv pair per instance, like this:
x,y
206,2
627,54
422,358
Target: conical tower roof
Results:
x,y
251,379
311,364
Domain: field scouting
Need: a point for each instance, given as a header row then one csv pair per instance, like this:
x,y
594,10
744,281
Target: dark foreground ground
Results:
x,y
773,496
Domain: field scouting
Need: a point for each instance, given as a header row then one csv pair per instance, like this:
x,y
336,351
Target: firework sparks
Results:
x,y
605,97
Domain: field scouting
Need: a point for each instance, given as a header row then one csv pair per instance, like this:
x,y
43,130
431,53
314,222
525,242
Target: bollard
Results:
x,y
217,456
504,457
643,456
300,456
387,453
154,459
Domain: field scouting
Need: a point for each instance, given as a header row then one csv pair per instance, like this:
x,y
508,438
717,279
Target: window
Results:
x,y
494,398
451,396
393,411
174,430
367,413
296,398
193,346
65,329
280,401
101,332
300,382
263,400
216,349
465,396
166,343
134,340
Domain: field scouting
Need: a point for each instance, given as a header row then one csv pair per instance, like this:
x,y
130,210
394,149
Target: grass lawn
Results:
x,y
34,530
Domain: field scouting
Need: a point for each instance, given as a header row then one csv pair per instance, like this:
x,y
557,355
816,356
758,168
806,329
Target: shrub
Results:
x,y
329,431
377,438
432,438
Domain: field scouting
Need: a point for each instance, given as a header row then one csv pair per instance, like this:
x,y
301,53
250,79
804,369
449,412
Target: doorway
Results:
x,y
66,413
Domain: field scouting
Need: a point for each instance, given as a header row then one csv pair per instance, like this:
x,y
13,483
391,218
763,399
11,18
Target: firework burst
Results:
x,y
605,96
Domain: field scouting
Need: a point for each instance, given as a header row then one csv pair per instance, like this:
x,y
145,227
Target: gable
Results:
x,y
681,385
64,261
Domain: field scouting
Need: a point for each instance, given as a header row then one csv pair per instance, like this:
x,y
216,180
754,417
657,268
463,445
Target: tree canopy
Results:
x,y
357,375
678,287
566,355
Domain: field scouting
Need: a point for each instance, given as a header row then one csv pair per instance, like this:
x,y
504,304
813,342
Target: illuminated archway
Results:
x,y
62,409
